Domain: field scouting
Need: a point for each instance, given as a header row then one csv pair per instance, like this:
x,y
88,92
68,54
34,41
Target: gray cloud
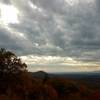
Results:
x,y
53,27
6,1
8,42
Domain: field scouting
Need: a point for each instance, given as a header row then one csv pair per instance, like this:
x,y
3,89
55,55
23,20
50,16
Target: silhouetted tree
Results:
x,y
11,68
10,63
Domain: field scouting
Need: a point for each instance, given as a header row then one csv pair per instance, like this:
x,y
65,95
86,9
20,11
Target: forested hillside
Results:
x,y
16,83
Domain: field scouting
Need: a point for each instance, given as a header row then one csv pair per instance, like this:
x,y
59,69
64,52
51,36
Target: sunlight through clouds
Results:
x,y
33,6
9,14
45,33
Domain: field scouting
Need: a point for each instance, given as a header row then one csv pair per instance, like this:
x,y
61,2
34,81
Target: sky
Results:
x,y
52,35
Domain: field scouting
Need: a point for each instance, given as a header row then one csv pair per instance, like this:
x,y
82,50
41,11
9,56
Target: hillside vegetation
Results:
x,y
16,83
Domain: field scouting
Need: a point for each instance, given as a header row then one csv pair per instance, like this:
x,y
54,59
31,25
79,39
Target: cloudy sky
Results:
x,y
52,35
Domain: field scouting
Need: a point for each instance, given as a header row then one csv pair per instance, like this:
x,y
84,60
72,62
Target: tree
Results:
x,y
10,63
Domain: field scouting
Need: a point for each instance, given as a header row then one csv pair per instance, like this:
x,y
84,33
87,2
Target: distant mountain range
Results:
x,y
42,74
90,79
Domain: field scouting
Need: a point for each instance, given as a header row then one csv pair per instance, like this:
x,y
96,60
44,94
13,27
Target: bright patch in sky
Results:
x,y
9,14
33,6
